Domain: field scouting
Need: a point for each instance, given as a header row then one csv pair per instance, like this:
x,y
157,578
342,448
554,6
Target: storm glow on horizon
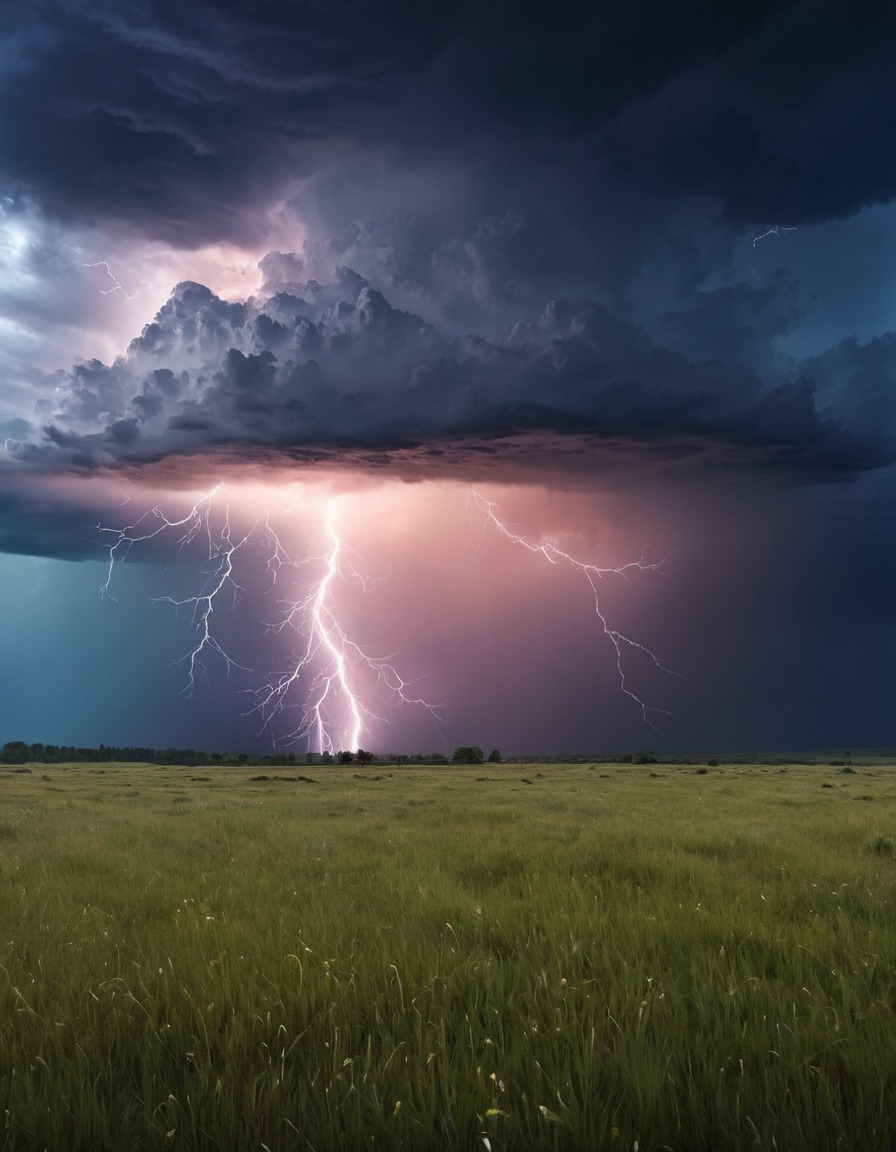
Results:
x,y
476,379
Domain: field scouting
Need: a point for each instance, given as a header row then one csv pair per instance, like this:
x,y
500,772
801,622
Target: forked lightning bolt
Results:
x,y
202,605
150,525
593,574
222,548
334,716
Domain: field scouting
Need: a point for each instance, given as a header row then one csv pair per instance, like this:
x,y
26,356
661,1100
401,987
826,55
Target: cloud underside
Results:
x,y
63,514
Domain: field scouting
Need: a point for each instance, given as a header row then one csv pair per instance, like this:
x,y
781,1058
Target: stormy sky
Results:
x,y
300,304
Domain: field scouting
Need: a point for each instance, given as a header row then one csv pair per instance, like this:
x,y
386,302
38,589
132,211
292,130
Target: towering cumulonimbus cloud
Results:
x,y
337,365
328,371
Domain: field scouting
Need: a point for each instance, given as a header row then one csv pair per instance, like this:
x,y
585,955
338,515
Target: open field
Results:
x,y
503,957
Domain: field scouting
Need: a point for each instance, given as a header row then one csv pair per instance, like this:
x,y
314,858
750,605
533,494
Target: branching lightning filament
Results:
x,y
117,285
222,548
150,525
775,230
334,715
202,605
593,574
332,676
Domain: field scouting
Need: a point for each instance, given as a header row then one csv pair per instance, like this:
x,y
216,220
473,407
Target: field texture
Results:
x,y
501,957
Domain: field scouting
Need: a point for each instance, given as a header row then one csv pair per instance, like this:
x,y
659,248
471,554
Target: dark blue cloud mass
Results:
x,y
179,119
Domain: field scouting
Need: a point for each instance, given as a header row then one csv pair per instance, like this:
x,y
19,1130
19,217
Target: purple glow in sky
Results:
x,y
626,272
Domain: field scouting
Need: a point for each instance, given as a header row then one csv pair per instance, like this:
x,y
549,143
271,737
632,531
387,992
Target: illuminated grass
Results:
x,y
437,960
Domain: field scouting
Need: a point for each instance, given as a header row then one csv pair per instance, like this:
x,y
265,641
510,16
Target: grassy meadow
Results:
x,y
499,957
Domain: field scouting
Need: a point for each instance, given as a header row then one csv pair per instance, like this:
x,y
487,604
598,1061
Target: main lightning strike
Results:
x,y
593,573
334,715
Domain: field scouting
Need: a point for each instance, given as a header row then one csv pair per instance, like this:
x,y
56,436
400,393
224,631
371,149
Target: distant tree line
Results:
x,y
18,752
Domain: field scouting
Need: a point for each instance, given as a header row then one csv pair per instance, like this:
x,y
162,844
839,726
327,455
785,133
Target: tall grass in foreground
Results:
x,y
447,959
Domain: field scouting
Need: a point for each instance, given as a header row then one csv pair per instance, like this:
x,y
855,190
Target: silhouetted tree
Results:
x,y
467,754
15,752
494,756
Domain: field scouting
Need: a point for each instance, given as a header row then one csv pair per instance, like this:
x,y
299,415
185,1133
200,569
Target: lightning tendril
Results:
x,y
593,573
117,285
775,230
334,715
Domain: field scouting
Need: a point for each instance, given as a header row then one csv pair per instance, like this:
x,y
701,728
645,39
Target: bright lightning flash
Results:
x,y
334,716
593,574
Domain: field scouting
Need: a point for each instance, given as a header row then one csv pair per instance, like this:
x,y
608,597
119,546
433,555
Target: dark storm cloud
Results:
x,y
183,121
333,368
858,380
795,124
516,188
